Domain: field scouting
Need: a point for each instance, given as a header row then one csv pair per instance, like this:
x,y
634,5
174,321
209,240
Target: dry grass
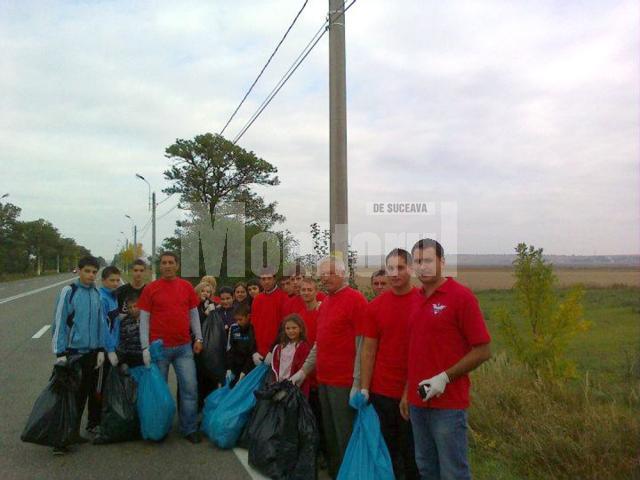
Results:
x,y
499,278
544,430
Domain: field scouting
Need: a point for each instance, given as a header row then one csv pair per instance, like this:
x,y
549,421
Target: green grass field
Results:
x,y
608,361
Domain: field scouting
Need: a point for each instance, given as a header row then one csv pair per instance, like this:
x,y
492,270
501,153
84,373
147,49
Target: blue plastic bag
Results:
x,y
235,408
367,456
155,404
211,403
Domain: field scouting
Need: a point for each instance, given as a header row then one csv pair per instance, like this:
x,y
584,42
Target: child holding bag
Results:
x,y
291,351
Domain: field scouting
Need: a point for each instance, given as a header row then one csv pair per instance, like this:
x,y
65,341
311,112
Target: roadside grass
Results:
x,y
588,427
10,277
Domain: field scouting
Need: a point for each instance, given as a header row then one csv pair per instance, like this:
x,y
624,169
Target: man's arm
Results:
x,y
310,363
367,361
144,329
356,363
59,338
194,320
472,360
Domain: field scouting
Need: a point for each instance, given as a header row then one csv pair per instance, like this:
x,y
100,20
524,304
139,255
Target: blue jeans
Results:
x,y
440,438
181,357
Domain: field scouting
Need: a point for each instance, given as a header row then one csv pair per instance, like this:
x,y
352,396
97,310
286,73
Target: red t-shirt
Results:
x,y
266,315
296,304
169,303
340,320
387,321
442,330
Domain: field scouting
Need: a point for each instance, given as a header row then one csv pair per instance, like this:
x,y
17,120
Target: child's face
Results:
x,y
111,282
240,294
205,293
292,331
296,283
253,290
226,300
133,310
286,285
87,274
241,320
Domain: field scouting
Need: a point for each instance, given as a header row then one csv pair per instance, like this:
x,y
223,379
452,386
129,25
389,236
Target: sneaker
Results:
x,y
194,437
59,451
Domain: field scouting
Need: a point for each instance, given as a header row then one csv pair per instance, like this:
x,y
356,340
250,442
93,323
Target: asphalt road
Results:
x,y
25,366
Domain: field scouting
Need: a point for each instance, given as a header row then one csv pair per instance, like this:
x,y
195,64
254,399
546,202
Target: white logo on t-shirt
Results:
x,y
438,308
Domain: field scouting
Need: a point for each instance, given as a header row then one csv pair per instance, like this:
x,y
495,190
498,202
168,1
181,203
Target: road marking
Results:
x,y
243,457
40,332
31,292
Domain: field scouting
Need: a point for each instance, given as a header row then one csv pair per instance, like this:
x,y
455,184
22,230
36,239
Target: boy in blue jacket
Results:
x,y
79,329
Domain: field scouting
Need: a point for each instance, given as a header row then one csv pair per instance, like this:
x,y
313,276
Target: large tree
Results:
x,y
213,171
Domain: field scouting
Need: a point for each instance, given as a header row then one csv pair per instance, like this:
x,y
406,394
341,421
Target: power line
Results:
x,y
167,212
283,80
265,67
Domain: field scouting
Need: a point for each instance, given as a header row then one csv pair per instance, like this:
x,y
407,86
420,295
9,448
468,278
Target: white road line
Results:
x,y
31,292
243,457
41,332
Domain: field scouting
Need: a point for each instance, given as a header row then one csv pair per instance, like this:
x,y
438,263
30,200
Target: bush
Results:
x,y
551,324
545,429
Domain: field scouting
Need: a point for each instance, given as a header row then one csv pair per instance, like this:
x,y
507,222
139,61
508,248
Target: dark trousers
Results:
x,y
337,418
88,385
397,435
314,402
206,385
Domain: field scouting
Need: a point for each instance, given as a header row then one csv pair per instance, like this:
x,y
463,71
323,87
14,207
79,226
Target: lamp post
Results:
x,y
135,235
152,206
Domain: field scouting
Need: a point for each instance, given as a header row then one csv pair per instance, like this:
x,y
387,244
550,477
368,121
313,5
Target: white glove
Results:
x,y
298,377
113,358
267,359
353,391
257,359
146,357
365,394
61,360
435,385
227,377
100,359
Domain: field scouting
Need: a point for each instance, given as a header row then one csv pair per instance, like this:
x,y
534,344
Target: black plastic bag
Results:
x,y
54,421
211,360
282,433
119,422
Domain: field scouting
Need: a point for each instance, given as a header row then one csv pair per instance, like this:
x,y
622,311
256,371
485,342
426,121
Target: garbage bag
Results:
x,y
367,455
155,404
54,418
211,403
235,408
211,360
282,432
119,421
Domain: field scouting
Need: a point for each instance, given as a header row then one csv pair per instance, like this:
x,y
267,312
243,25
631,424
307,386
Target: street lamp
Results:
x,y
148,185
4,196
135,234
152,205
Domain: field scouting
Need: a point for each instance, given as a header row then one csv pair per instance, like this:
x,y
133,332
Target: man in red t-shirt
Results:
x,y
384,360
336,358
379,282
169,312
266,314
448,338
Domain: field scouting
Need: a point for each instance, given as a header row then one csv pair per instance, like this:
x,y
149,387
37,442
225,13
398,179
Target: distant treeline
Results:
x,y
470,260
34,247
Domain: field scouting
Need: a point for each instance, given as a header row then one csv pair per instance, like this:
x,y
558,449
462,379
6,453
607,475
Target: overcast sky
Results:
x,y
522,115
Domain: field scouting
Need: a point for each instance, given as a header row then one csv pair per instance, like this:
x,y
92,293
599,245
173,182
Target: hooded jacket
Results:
x,y
111,318
78,322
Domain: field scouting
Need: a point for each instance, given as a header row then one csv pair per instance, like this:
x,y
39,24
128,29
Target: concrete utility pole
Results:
x,y
338,197
153,236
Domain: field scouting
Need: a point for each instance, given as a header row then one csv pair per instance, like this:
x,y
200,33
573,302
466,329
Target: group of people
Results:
x,y
408,351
